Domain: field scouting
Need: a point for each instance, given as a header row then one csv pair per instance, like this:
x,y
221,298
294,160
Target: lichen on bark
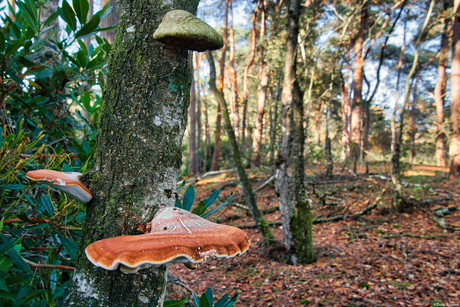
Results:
x,y
138,151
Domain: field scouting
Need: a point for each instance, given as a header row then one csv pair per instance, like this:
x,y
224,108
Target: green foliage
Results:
x,y
200,209
51,102
206,300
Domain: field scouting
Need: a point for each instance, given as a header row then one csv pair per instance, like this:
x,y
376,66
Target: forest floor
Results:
x,y
380,258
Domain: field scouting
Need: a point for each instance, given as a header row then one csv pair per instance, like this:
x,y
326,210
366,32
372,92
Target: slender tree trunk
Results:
x,y
261,91
207,146
413,114
193,165
261,223
302,220
196,68
138,152
327,141
216,154
318,122
454,149
232,74
274,119
90,14
109,21
439,91
356,111
398,197
246,73
345,111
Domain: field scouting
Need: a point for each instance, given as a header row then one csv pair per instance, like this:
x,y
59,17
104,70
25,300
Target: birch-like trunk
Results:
x,y
274,119
193,163
138,151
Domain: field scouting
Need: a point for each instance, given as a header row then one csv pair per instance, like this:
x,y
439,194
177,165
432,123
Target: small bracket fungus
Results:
x,y
67,182
182,28
176,235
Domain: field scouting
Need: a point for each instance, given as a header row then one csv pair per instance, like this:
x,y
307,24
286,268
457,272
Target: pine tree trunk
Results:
x,y
138,151
216,154
246,73
196,67
356,111
274,119
109,21
193,166
454,149
345,111
261,91
232,74
439,91
261,223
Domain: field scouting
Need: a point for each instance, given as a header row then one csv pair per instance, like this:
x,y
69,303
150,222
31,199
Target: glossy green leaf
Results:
x,y
210,296
4,247
203,302
212,198
13,187
178,203
69,245
174,303
89,27
189,197
18,261
4,293
68,15
200,208
52,17
217,208
5,263
47,205
81,8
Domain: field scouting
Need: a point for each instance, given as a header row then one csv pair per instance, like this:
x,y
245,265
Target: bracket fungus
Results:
x,y
67,182
181,28
174,236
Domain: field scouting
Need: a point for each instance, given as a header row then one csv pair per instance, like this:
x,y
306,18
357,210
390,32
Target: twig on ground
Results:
x,y
47,266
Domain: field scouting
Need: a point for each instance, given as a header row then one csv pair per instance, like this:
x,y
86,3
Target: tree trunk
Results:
x,y
215,156
439,91
356,111
207,146
261,91
454,149
138,152
109,21
193,165
327,141
90,14
345,111
413,114
302,220
274,119
261,223
246,73
233,80
196,68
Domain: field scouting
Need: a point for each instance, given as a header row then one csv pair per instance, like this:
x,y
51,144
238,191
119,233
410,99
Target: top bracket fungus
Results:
x,y
176,235
67,182
182,28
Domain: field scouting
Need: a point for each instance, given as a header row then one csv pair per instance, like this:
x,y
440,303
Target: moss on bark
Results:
x,y
138,151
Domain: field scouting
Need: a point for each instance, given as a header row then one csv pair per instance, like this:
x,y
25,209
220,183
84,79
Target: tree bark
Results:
x,y
138,151
413,114
232,74
454,149
246,73
199,133
440,89
207,146
216,154
90,14
193,165
356,110
261,223
261,92
302,220
345,111
274,119
109,21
